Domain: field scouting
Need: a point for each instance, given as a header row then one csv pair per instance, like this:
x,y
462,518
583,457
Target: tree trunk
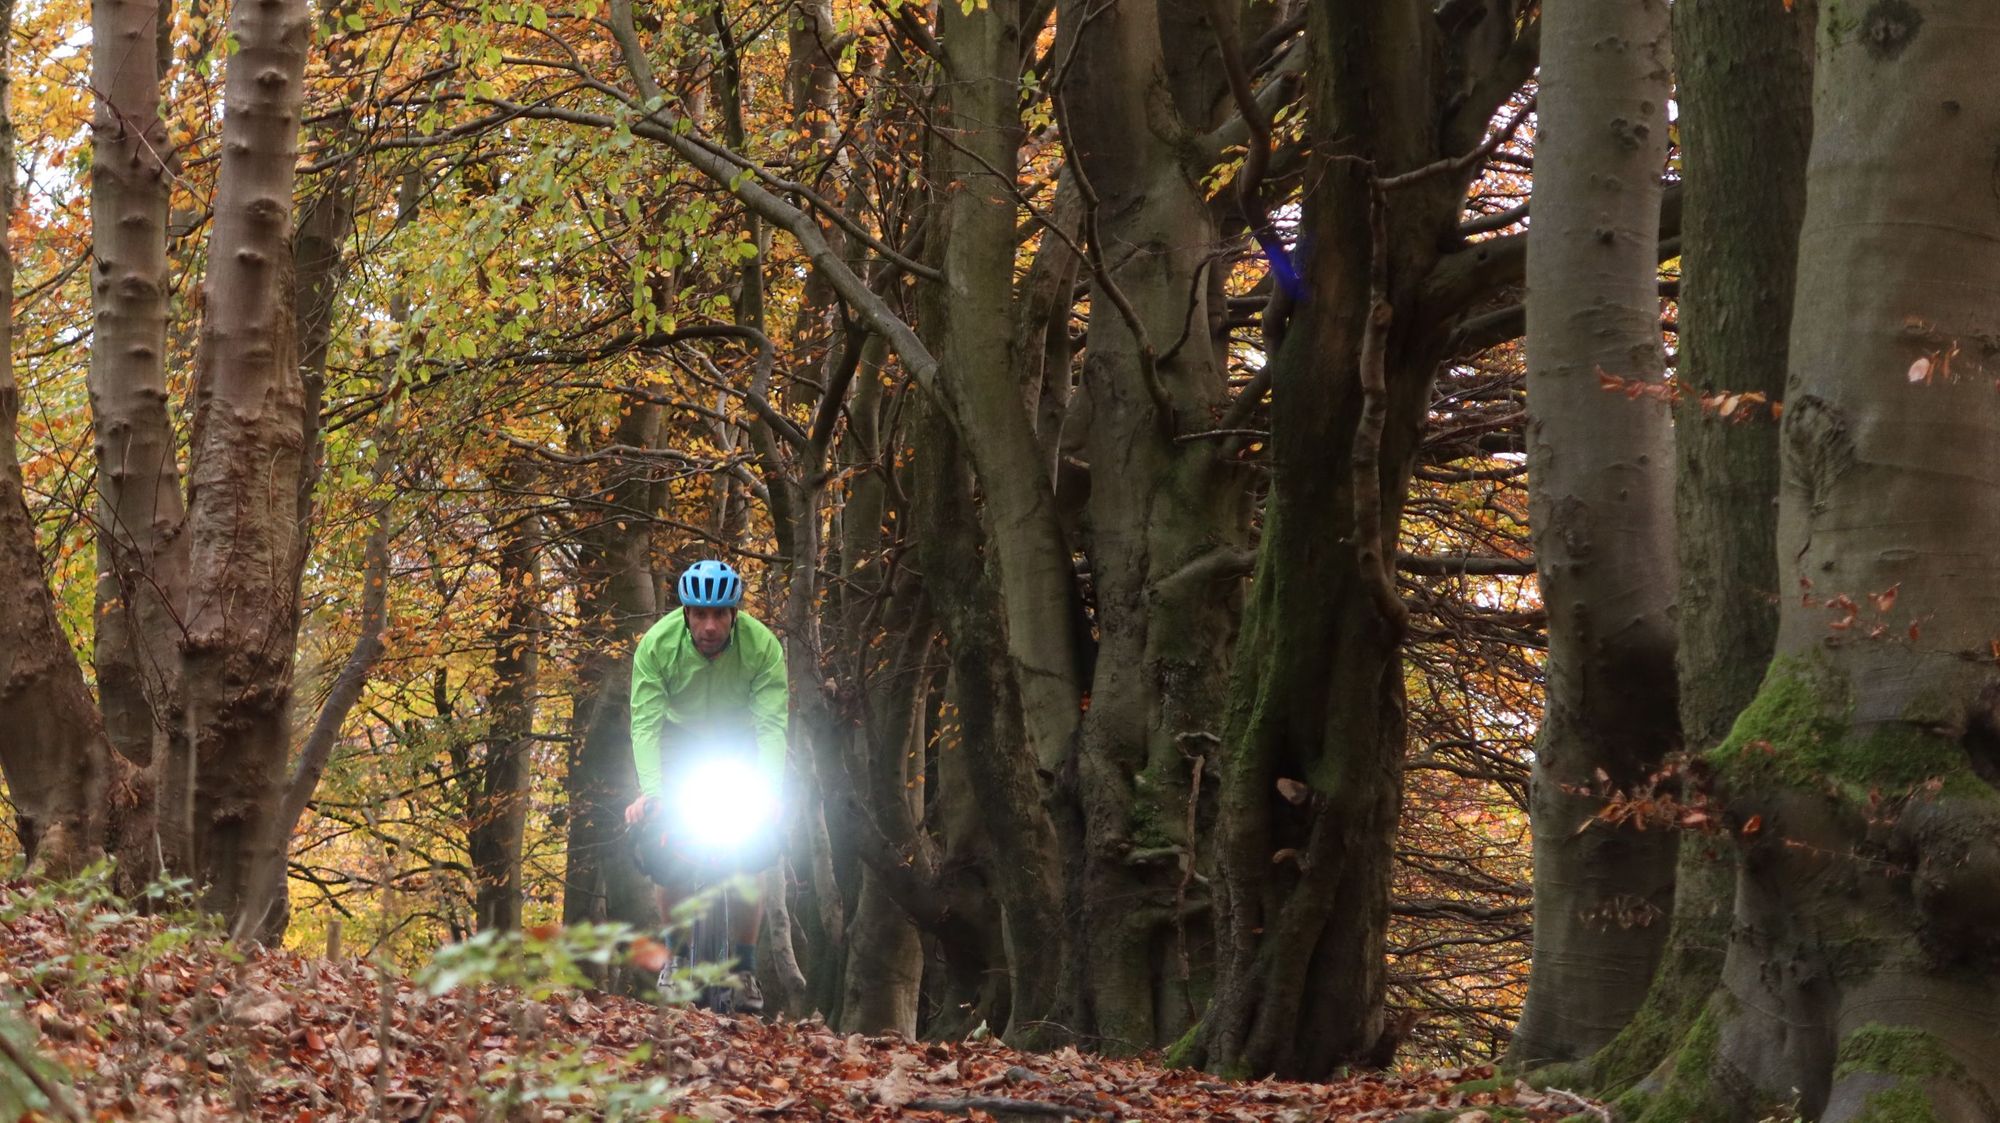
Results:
x,y
1860,781
245,467
55,757
319,268
974,325
883,648
1027,870
616,603
1144,80
319,271
1745,195
141,538
884,964
1311,756
1602,518
498,809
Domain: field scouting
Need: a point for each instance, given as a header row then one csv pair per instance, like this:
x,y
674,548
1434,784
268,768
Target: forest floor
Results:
x,y
138,1019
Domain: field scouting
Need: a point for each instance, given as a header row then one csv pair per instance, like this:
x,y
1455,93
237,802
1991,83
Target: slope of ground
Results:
x,y
140,1019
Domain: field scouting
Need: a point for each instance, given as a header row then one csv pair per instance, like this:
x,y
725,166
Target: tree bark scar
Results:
x,y
1888,27
1570,520
1818,447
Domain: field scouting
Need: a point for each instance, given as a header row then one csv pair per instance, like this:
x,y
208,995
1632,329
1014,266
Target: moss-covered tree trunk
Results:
x,y
1862,969
1744,176
1143,84
1311,760
1602,515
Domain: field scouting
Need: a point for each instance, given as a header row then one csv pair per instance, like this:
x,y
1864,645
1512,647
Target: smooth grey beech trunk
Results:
x,y
142,543
1031,558
1028,694
246,461
1601,510
1744,176
1860,782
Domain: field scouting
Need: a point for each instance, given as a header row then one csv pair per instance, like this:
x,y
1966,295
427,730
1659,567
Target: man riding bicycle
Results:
x,y
709,710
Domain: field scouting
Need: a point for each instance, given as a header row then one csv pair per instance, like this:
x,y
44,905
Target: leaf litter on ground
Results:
x,y
152,1028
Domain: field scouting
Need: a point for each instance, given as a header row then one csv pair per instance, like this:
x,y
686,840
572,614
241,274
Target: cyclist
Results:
x,y
709,711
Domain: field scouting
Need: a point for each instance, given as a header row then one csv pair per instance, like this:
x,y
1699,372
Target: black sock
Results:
x,y
746,957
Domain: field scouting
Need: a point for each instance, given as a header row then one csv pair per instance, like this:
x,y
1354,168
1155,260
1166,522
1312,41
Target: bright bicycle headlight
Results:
x,y
723,803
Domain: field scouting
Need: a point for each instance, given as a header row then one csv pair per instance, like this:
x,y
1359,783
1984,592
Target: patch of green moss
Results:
x,y
1896,1051
1797,733
1686,1098
1915,1057
1672,1005
1562,1074
1904,1103
1178,1053
1474,1087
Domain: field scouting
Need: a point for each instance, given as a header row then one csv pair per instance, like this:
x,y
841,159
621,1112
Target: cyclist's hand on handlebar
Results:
x,y
638,810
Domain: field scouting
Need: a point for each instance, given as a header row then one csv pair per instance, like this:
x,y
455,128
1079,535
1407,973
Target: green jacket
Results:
x,y
681,696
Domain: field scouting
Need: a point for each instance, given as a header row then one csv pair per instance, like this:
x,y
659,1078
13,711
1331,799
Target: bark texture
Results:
x,y
1143,81
1311,756
498,808
55,757
1602,516
1013,610
1745,195
142,545
1861,778
617,602
245,465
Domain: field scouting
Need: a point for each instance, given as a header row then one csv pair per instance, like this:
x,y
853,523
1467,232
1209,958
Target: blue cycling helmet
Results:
x,y
711,584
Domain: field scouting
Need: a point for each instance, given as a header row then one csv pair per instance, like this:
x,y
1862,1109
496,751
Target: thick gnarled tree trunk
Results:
x,y
1860,782
245,463
1602,516
1311,759
1142,86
